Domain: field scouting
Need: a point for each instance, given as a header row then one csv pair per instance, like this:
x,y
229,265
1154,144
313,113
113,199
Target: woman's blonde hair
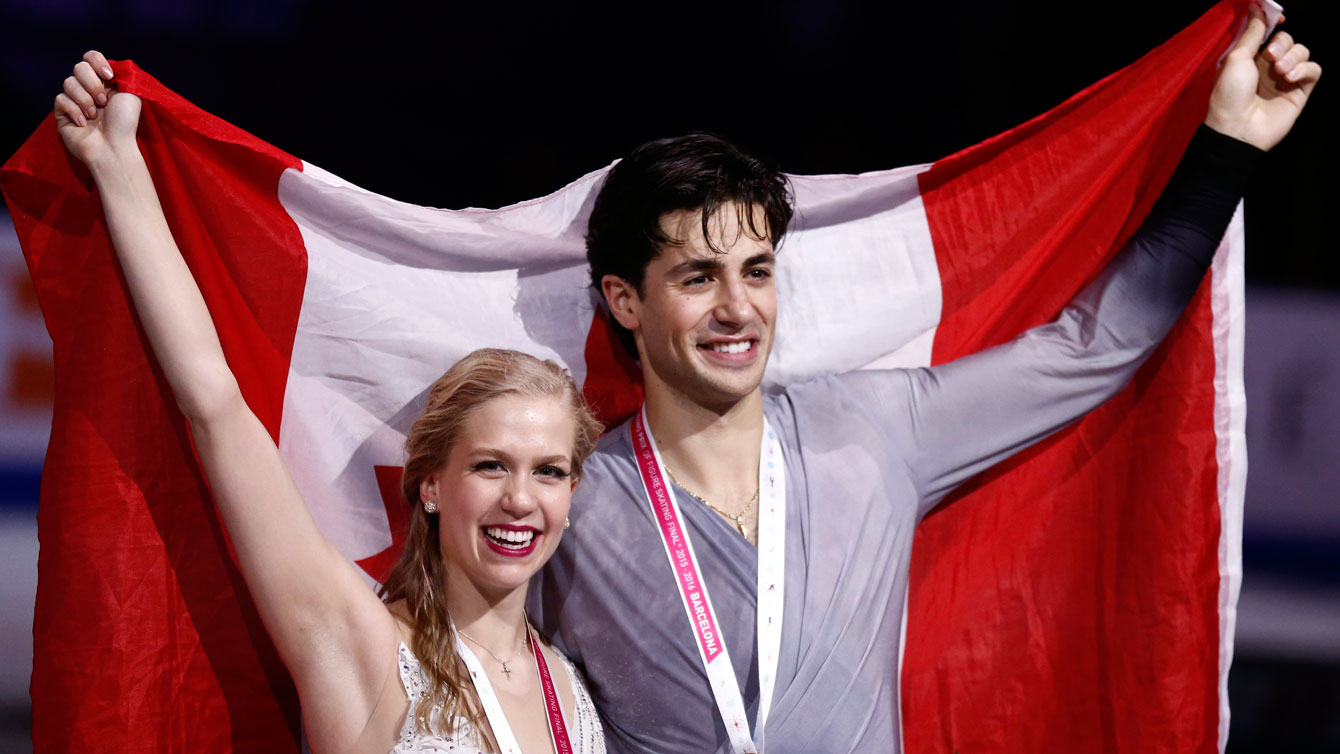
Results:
x,y
419,577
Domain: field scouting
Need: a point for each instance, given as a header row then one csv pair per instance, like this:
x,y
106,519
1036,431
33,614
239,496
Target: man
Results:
x,y
659,579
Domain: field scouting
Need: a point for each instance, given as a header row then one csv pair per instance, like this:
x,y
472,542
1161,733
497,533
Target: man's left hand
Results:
x,y
1259,95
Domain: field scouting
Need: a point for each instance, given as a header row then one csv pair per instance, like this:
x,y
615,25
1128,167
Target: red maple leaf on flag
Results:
x,y
397,516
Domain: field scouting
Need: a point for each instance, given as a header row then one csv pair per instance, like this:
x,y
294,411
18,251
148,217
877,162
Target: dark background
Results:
x,y
474,104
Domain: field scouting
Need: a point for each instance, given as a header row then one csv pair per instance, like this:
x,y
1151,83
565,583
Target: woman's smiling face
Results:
x,y
503,493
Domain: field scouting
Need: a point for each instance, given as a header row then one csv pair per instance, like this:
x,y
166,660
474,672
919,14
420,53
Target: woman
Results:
x,y
489,476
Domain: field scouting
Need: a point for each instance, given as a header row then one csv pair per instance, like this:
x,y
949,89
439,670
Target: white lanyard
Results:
x,y
502,731
693,590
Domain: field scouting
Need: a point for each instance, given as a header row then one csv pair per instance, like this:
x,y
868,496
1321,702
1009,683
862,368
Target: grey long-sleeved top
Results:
x,y
867,455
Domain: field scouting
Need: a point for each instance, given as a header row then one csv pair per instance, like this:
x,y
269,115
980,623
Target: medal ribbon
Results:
x,y
558,729
693,590
502,731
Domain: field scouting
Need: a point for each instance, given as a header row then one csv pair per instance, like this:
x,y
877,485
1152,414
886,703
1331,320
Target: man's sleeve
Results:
x,y
952,421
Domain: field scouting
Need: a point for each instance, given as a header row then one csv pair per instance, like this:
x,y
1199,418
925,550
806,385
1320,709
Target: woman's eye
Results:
x,y
486,466
551,472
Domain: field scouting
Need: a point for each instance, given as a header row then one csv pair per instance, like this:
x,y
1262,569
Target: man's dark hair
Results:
x,y
694,172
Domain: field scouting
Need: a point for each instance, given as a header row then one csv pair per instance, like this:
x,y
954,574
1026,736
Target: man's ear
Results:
x,y
623,300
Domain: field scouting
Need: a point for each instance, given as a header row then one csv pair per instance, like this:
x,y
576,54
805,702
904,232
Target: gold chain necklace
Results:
x,y
739,520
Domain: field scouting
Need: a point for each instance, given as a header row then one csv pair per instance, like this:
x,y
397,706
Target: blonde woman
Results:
x,y
446,660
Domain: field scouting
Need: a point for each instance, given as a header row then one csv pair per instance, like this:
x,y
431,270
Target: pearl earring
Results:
x,y
567,524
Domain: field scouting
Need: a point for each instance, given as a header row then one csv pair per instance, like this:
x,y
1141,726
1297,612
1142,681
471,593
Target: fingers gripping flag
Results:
x,y
1079,598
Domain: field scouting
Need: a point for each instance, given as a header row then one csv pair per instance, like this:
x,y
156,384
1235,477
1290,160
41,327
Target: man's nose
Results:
x,y
733,306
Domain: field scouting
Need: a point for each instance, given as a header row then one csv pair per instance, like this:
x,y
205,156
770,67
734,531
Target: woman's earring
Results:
x,y
567,524
429,506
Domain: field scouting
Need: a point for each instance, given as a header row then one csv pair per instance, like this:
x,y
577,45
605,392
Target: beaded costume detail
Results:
x,y
584,729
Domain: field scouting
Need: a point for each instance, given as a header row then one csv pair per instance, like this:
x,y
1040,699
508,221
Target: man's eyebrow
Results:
x,y
714,264
706,264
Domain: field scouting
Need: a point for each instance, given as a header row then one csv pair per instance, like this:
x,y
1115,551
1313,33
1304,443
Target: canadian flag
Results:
x,y
1080,597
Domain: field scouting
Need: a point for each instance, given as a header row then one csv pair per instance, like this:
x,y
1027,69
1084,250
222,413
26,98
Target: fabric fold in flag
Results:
x,y
144,637
1079,597
1084,591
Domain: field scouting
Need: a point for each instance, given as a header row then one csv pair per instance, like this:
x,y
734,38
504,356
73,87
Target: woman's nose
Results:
x,y
517,496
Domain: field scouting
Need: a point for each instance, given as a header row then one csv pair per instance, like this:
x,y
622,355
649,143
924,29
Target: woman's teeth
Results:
x,y
739,347
508,537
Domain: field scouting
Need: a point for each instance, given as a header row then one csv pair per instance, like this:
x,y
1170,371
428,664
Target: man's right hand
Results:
x,y
94,120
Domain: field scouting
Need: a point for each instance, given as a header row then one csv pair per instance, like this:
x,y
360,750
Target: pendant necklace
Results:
x,y
499,660
739,520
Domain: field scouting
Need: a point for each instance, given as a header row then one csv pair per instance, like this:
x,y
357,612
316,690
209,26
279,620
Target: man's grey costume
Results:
x,y
867,455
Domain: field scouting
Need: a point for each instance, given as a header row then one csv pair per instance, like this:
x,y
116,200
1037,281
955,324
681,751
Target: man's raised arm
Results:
x,y
959,418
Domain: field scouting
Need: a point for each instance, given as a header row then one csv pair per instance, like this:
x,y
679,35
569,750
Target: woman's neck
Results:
x,y
495,622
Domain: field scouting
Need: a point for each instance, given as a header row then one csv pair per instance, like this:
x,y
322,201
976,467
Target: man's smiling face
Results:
x,y
704,322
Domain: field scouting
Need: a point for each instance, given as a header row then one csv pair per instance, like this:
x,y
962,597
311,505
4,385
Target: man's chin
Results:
x,y
724,394
710,385
731,383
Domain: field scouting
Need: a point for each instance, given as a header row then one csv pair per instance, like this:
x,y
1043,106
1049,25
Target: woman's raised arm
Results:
x,y
334,635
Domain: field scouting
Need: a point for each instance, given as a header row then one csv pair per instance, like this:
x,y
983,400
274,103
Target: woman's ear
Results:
x,y
428,488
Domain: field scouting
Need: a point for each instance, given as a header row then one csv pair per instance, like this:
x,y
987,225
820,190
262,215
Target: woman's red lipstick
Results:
x,y
505,542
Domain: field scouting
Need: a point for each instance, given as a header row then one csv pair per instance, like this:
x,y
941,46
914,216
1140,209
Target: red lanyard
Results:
x,y
488,699
558,730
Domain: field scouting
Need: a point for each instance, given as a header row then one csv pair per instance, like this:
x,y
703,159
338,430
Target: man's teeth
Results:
x,y
509,538
739,347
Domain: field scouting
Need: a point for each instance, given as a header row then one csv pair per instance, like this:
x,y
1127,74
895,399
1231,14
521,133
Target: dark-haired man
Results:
x,y
795,512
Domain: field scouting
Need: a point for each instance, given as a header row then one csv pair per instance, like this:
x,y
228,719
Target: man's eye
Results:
x,y
760,273
697,280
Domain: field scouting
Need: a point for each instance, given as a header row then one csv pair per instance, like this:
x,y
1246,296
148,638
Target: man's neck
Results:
x,y
711,451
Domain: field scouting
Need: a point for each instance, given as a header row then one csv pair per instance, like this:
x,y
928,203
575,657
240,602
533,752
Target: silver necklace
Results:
x,y
499,660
